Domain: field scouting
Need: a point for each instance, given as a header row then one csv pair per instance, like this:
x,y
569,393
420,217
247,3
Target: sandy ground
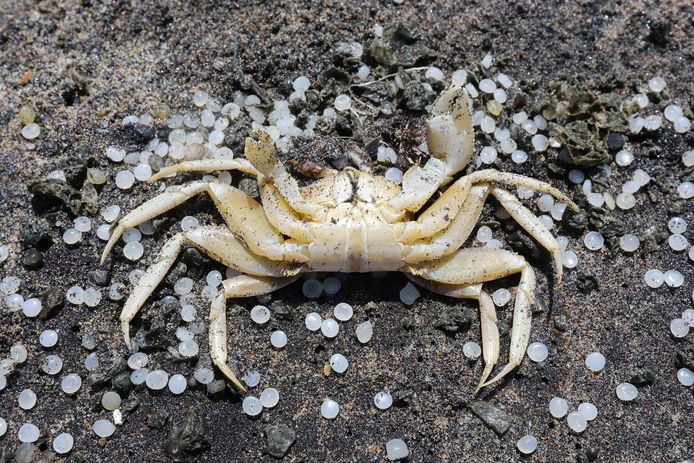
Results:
x,y
93,63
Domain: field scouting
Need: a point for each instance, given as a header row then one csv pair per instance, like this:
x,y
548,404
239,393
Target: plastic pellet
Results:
x,y
157,379
595,362
177,384
278,339
251,378
111,400
260,314
329,409
313,321
527,444
252,406
312,288
654,278
204,375
103,428
558,407
31,307
396,449
409,294
593,241
48,338
329,328
27,399
339,363
383,400
63,443
343,311
269,397
71,383
679,328
472,350
537,352
576,422
52,365
685,376
28,433
588,410
364,332
627,392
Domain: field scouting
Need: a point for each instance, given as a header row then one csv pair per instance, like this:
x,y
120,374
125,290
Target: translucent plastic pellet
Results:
x,y
570,259
673,278
484,234
28,433
537,352
396,449
71,383
52,365
677,242
576,422
501,297
527,444
183,286
627,392
269,397
91,362
260,314
189,348
629,242
595,361
364,332
343,311
177,384
593,241
409,294
139,376
685,376
278,339
329,409
313,321
103,428
252,406
111,400
312,288
27,399
558,407
251,378
63,443
654,278
331,286
157,379
133,250
472,350
48,338
679,328
339,363
329,328
588,410
677,225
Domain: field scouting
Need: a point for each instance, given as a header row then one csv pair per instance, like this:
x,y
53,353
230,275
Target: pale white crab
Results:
x,y
354,221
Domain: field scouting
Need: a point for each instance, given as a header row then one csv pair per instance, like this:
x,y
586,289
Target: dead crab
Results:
x,y
354,221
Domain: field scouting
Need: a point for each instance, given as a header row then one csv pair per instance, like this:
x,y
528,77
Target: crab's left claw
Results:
x,y
450,136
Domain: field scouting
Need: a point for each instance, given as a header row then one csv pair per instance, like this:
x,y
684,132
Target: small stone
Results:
x,y
189,437
493,417
279,439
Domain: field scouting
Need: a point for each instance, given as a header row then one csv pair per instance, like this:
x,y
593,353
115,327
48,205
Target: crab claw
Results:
x,y
450,136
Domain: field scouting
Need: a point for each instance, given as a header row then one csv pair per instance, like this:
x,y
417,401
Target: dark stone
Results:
x,y
645,377
685,358
51,300
651,239
99,277
453,319
188,438
408,323
249,186
659,34
615,141
158,419
51,195
193,259
523,244
588,455
493,417
130,404
121,382
36,234
586,282
334,81
156,162
107,370
575,221
561,322
32,258
137,133
279,439
417,96
400,45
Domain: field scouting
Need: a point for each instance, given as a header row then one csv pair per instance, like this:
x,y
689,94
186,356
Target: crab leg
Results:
x,y
490,332
217,242
532,225
283,217
243,215
454,236
478,265
205,165
492,175
237,287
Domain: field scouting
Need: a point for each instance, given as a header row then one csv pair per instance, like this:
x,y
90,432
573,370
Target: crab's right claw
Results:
x,y
450,136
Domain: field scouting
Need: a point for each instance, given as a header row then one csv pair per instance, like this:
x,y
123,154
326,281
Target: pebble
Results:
x,y
472,350
576,422
313,321
627,392
654,278
28,433
383,400
329,328
278,339
71,383
679,328
339,363
343,311
364,332
329,409
269,397
103,428
685,376
593,241
588,410
537,352
111,400
63,443
396,449
252,406
595,361
48,338
156,379
260,314
558,407
527,444
27,399
52,365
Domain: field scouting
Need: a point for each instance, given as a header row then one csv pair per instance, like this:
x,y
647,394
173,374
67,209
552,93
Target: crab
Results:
x,y
355,221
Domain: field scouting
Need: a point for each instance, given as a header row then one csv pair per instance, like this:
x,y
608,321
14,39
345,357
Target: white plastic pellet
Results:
x,y
329,409
626,392
595,362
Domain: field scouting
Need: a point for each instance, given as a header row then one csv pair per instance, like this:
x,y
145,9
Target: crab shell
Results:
x,y
354,221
